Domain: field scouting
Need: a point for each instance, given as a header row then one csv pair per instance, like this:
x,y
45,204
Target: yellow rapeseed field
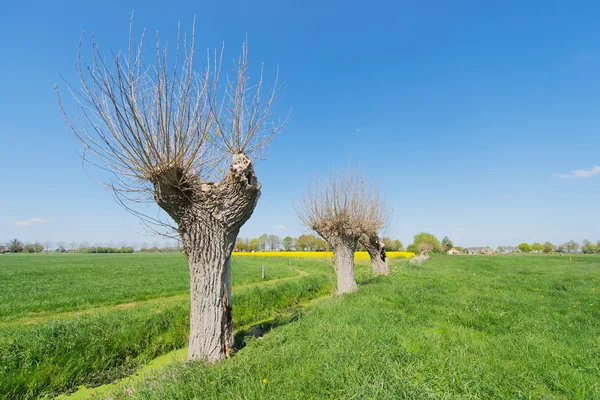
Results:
x,y
359,255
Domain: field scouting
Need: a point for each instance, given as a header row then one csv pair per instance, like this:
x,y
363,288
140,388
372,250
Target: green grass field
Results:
x,y
40,284
481,327
68,320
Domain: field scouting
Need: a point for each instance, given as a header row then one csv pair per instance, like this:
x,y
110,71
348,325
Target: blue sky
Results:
x,y
470,115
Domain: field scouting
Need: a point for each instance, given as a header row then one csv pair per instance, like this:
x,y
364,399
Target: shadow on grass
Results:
x,y
368,279
261,329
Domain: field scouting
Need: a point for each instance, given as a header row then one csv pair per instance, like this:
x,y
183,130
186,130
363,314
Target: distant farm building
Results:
x,y
453,251
480,250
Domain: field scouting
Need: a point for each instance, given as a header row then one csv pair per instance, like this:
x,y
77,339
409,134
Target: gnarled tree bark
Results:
x,y
343,247
209,217
376,249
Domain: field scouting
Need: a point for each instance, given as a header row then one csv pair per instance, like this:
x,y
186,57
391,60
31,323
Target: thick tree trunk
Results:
x,y
211,319
343,251
209,216
376,249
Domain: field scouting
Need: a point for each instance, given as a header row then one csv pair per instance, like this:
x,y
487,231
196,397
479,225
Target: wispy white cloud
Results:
x,y
358,130
22,223
30,221
281,227
581,173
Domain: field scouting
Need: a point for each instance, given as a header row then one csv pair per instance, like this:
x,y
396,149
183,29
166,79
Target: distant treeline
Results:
x,y
302,243
155,249
103,250
586,247
16,246
422,243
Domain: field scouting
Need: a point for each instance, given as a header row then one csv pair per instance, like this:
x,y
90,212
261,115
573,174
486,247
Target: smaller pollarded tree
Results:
x,y
371,240
424,243
341,208
376,249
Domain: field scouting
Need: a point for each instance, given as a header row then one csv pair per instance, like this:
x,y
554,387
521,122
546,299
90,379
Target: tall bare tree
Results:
x,y
174,136
341,208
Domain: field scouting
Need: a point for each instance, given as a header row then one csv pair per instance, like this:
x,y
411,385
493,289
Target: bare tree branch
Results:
x,y
137,121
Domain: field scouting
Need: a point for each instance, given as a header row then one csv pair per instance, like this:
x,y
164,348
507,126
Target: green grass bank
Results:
x,y
110,334
482,327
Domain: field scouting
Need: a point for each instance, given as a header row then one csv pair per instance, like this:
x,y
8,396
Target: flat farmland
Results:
x,y
75,319
47,284
458,327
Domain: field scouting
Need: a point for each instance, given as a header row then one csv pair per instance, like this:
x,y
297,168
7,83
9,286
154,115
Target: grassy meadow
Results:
x,y
463,327
68,320
47,284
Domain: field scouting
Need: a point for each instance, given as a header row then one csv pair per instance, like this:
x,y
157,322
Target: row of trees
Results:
x,y
345,209
102,250
262,243
424,243
17,246
188,141
587,247
301,243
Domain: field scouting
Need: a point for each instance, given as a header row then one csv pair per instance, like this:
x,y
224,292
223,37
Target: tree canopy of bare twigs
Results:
x,y
341,208
169,133
345,202
137,121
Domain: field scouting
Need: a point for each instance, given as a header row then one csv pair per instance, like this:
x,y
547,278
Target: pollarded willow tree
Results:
x,y
174,136
376,249
344,208
371,240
